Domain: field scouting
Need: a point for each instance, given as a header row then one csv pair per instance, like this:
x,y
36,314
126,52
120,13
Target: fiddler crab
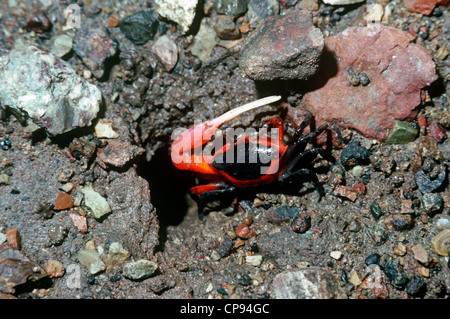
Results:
x,y
242,159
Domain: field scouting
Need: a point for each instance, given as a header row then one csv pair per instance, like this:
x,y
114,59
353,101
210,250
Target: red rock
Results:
x,y
244,232
397,69
422,121
79,222
39,23
13,238
420,6
63,201
359,189
343,191
438,132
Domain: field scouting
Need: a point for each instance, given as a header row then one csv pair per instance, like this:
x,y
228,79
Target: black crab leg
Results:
x,y
205,193
303,174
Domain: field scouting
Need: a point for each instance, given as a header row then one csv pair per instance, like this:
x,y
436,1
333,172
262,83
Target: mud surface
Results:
x,y
152,215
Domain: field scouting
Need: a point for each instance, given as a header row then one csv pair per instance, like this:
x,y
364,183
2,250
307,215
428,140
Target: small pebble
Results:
x,y
438,132
79,222
359,189
54,268
244,232
399,222
424,272
97,205
354,226
63,201
372,259
65,175
13,238
301,223
432,202
5,144
354,279
105,129
2,238
379,235
139,270
254,260
357,171
420,254
336,254
57,233
91,259
415,285
343,191
4,179
400,249
354,154
426,185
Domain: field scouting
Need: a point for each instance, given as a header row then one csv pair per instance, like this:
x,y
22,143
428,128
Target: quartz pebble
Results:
x,y
91,259
62,45
254,260
374,13
139,270
336,254
117,255
97,205
182,12
105,129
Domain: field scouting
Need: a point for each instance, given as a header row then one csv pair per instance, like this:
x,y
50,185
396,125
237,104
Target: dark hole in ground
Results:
x,y
168,188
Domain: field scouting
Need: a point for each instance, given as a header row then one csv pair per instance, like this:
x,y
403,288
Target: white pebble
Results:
x,y
336,254
254,260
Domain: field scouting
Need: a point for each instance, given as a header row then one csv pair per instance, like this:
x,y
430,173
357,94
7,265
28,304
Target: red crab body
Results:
x,y
243,161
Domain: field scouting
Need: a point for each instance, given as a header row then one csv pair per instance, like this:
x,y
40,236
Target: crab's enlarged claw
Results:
x,y
199,134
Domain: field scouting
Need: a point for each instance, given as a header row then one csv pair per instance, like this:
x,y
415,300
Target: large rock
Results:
x,y
373,76
307,283
283,47
16,269
420,6
39,86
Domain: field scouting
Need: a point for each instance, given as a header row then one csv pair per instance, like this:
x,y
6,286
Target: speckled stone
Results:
x,y
46,92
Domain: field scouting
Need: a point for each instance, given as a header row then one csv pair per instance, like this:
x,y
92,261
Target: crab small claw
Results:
x,y
199,134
